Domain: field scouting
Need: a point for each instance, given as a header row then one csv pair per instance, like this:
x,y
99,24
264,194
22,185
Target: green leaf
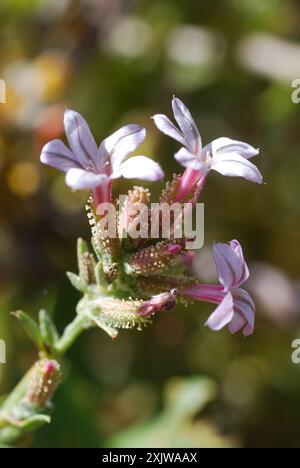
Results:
x,y
96,248
82,249
48,330
14,428
112,332
77,282
33,422
31,328
99,274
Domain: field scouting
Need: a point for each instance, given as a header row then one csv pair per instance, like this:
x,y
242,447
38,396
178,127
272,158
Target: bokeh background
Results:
x,y
120,61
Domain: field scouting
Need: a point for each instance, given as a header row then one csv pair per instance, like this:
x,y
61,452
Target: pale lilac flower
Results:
x,y
235,307
226,156
90,167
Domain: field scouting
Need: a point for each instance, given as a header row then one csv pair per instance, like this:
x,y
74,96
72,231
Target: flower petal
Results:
x,y
102,160
234,165
140,167
237,322
56,154
123,142
190,161
232,269
79,179
165,125
187,125
243,306
223,314
237,248
80,139
225,145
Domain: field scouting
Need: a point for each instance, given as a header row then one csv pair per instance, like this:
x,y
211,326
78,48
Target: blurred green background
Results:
x,y
120,61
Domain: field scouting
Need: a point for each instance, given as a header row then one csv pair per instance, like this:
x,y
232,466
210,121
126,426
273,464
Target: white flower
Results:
x,y
88,166
226,156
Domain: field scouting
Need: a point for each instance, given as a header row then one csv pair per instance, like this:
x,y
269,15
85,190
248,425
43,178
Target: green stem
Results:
x,y
9,433
71,333
16,395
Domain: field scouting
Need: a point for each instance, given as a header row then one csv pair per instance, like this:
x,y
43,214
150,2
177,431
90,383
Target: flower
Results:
x,y
90,167
226,156
236,308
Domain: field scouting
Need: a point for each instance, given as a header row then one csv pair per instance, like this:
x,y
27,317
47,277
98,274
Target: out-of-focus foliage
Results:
x,y
174,426
118,61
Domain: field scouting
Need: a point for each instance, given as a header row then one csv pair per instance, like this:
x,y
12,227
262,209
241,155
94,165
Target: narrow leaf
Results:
x,y
48,329
77,282
31,328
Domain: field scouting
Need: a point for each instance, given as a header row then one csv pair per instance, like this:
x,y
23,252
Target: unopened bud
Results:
x,y
111,314
170,192
86,262
44,380
106,246
154,285
155,259
159,303
134,217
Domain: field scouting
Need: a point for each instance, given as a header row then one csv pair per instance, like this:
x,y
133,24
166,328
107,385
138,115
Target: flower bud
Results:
x,y
44,380
155,259
130,218
152,286
111,314
159,303
86,262
170,192
106,247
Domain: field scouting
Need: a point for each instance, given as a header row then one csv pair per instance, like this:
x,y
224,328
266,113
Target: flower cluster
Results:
x,y
130,278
